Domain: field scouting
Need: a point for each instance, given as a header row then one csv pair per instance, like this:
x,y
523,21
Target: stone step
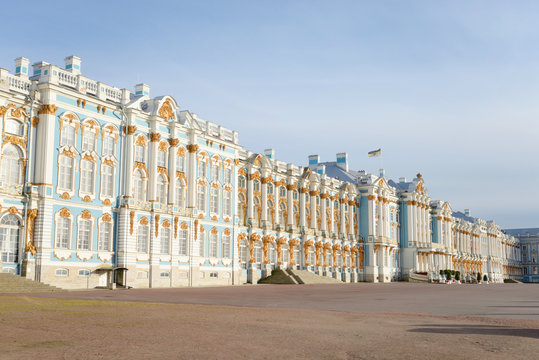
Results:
x,y
307,277
11,283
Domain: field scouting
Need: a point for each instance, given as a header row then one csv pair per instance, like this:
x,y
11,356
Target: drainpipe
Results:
x,y
22,246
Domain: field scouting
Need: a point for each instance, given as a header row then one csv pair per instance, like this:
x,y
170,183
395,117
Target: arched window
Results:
x,y
269,210
256,185
87,181
142,238
201,197
14,127
67,136
282,192
108,145
11,165
63,233
270,188
272,254
162,158
201,168
225,246
164,239
214,200
88,141
161,193
184,241
227,203
228,176
202,244
180,193
259,254
215,173
10,227
84,236
296,215
105,236
180,163
295,194
282,210
139,153
139,186
213,244
107,181
241,181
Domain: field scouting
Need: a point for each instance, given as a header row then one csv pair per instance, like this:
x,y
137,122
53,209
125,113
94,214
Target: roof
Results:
x,y
405,186
524,231
333,170
463,216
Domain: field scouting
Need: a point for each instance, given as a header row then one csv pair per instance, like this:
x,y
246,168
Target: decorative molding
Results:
x,y
154,137
65,195
157,217
166,111
86,198
47,109
65,213
86,214
173,142
131,221
31,215
106,217
144,220
192,148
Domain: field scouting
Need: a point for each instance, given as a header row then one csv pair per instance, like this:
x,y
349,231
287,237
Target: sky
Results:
x,y
445,88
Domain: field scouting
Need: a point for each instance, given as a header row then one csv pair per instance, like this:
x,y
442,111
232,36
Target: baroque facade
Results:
x,y
529,242
102,186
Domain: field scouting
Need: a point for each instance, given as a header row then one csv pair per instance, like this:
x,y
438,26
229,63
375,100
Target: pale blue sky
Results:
x,y
446,88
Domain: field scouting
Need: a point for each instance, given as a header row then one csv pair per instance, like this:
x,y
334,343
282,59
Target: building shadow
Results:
x,y
459,329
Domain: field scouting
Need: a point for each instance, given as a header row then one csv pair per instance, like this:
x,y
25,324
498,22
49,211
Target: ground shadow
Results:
x,y
476,330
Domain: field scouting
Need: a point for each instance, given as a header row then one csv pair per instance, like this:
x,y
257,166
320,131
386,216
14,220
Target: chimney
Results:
x,y
270,153
402,179
37,67
321,169
143,89
314,160
21,67
467,212
73,64
342,161
382,172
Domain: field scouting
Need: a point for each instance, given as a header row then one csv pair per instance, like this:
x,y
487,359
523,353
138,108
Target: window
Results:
x,y
9,238
66,177
107,181
87,182
11,165
228,176
270,188
270,208
139,186
180,163
258,252
88,141
14,127
161,158
161,190
67,136
183,242
227,203
282,210
213,245
201,169
142,239
201,245
84,273
241,203
215,173
108,146
214,275
272,253
85,235
214,200
164,238
241,181
164,274
244,251
282,191
295,194
180,193
225,248
139,153
201,198
256,185
63,233
62,272
105,235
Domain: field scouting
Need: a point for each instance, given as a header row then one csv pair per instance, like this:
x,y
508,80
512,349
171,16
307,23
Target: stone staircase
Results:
x,y
10,283
417,278
290,276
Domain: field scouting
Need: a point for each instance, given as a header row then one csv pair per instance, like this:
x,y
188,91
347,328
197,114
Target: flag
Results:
x,y
375,153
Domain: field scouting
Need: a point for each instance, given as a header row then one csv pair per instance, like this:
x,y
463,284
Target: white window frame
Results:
x,y
80,229
105,239
201,198
226,245
87,178
227,203
214,200
105,151
143,230
61,175
183,242
164,239
89,140
59,229
11,164
105,185
68,135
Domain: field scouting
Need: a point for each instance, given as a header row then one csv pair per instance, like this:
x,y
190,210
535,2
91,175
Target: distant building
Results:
x,y
529,243
102,186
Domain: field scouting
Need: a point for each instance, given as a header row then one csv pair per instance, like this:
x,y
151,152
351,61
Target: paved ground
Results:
x,y
497,300
349,321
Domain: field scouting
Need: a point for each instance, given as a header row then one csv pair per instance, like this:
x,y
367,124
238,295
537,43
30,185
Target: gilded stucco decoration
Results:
x,y
131,222
144,221
192,148
65,213
106,217
166,111
154,137
47,109
30,227
86,214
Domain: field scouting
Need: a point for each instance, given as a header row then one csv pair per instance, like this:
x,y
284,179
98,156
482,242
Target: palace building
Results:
x,y
101,186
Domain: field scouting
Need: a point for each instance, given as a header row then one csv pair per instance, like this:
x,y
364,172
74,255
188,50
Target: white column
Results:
x,y
172,170
264,214
152,168
314,218
302,222
250,200
343,219
323,221
129,146
351,205
192,174
290,205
